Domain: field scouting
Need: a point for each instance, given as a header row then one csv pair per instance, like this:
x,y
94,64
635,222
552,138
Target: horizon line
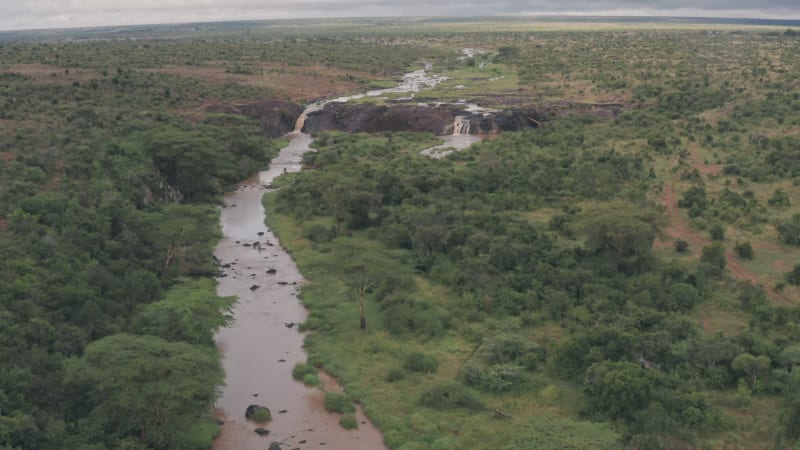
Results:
x,y
519,17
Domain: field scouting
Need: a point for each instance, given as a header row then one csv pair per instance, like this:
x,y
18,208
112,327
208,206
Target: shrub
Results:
x,y
717,232
504,377
339,403
713,259
779,199
319,233
395,374
473,375
300,371
451,395
793,277
420,362
681,246
311,379
790,231
744,250
348,422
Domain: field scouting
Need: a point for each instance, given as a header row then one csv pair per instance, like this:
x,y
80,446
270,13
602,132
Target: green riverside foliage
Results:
x,y
339,403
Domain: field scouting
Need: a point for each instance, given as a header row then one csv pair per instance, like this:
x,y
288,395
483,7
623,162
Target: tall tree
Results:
x,y
146,388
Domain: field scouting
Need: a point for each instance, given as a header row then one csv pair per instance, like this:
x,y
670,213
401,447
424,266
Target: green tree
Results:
x,y
790,356
713,256
744,250
623,235
793,276
717,232
751,366
147,388
619,390
189,312
789,231
779,199
189,160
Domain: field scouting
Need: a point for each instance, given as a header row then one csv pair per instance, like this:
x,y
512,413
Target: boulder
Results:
x,y
254,411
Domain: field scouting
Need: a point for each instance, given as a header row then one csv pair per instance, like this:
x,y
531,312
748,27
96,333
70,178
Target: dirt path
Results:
x,y
679,229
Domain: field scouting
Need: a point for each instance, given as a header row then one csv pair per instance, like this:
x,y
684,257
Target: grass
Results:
x,y
348,421
369,365
339,403
756,425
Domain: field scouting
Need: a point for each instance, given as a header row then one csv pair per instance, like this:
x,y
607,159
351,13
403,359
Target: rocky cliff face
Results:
x,y
372,118
494,123
437,120
277,117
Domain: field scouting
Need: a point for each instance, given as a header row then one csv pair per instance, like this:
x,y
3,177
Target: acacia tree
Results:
x,y
368,273
147,388
624,236
190,312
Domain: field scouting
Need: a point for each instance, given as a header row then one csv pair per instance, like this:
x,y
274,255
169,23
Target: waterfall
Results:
x,y
461,125
301,121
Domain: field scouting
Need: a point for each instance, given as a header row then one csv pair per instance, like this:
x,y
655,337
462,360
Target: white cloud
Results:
x,y
23,14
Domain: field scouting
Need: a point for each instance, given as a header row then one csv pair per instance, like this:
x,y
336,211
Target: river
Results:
x,y
262,344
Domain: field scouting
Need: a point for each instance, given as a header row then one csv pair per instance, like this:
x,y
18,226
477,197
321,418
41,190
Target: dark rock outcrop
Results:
x,y
252,411
373,118
277,117
494,123
438,120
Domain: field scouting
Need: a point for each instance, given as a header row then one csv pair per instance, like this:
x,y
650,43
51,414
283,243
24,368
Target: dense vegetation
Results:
x,y
534,276
107,224
531,292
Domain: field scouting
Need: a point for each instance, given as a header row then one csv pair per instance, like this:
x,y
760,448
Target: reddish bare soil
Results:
x,y
679,229
53,74
7,156
293,83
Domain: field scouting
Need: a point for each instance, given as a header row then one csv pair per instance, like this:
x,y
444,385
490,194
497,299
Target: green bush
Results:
x,y
744,250
300,371
262,415
311,379
339,403
348,422
717,232
793,277
681,246
395,374
505,377
420,362
319,233
451,395
473,375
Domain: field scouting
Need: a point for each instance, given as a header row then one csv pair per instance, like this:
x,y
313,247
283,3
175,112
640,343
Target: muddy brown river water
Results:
x,y
259,349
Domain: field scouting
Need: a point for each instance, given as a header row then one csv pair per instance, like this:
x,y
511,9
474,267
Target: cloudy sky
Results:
x,y
24,14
